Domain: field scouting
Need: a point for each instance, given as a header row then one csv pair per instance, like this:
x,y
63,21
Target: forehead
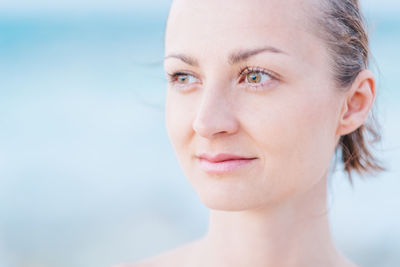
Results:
x,y
216,26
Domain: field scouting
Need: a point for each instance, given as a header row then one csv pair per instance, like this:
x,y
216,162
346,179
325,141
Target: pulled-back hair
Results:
x,y
342,27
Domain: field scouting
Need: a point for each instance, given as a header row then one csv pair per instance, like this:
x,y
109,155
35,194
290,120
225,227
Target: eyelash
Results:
x,y
247,69
172,77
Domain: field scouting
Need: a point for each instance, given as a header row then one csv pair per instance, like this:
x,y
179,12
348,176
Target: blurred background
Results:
x,y
87,174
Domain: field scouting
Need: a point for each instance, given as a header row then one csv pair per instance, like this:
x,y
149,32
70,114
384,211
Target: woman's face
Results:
x,y
249,79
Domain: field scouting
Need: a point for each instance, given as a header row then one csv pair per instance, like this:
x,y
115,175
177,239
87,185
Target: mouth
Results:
x,y
223,163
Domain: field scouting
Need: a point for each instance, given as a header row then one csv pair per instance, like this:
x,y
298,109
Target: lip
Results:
x,y
223,163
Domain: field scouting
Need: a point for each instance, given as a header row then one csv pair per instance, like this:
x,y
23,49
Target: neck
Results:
x,y
294,232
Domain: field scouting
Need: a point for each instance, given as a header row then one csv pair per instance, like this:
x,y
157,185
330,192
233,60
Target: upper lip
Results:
x,y
222,157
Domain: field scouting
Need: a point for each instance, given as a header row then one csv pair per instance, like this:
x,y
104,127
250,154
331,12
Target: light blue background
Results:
x,y
87,174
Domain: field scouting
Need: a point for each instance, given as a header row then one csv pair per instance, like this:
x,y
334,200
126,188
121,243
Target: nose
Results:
x,y
215,114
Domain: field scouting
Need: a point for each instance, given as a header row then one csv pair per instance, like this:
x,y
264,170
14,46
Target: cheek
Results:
x,y
178,119
296,136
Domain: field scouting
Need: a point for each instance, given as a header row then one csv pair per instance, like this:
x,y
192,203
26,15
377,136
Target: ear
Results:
x,y
357,103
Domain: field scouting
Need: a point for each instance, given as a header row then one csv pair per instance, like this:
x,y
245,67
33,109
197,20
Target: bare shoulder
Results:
x,y
345,262
124,265
136,264
352,264
349,264
177,257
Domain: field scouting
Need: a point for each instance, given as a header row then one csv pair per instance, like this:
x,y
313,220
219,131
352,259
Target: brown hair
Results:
x,y
344,31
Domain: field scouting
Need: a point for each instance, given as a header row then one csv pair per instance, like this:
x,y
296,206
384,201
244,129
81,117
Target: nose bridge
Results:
x,y
215,113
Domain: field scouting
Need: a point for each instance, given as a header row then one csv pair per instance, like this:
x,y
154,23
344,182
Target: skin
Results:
x,y
271,212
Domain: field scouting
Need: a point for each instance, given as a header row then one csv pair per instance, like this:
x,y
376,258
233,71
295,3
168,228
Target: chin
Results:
x,y
223,205
239,194
228,197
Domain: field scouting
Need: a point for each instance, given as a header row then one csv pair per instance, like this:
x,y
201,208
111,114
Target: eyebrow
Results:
x,y
233,58
243,55
185,58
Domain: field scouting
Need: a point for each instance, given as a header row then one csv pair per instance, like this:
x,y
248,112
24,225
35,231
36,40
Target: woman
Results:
x,y
261,95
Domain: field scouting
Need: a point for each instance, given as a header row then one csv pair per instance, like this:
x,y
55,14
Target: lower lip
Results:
x,y
223,166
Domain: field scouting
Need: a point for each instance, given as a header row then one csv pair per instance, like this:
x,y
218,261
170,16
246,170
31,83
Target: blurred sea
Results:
x,y
87,174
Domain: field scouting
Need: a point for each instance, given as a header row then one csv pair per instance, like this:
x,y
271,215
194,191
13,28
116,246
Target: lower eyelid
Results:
x,y
261,86
175,75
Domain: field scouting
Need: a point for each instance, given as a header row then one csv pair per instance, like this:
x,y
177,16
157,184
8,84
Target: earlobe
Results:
x,y
358,103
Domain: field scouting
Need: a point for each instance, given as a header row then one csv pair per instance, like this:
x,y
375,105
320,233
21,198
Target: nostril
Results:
x,y
211,128
201,128
215,116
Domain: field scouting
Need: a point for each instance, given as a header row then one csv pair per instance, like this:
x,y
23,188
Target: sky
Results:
x,y
66,6
28,6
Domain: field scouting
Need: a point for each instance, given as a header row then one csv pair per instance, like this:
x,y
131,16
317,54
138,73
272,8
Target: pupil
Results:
x,y
254,77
